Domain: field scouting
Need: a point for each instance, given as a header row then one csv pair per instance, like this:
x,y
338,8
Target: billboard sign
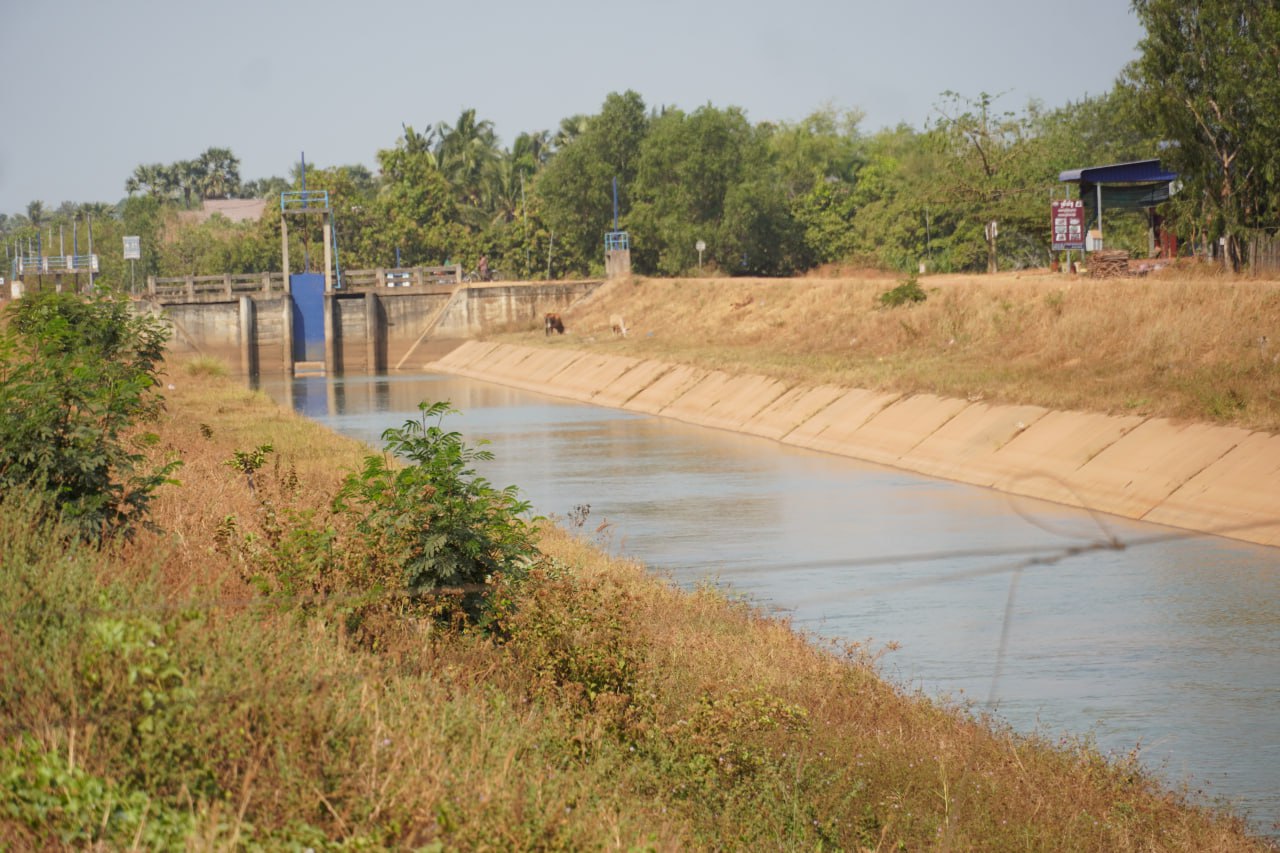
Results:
x,y
133,248
1068,224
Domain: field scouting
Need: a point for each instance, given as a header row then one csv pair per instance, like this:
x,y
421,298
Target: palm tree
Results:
x,y
502,192
36,214
96,209
189,176
155,178
531,152
264,187
221,177
466,153
168,181
570,129
418,143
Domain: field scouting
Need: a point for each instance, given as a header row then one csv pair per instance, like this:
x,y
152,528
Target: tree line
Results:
x,y
768,198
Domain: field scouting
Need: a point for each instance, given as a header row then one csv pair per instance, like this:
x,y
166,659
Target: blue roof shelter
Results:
x,y
1140,185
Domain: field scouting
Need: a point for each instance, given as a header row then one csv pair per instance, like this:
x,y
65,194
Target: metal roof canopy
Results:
x,y
1138,185
1137,172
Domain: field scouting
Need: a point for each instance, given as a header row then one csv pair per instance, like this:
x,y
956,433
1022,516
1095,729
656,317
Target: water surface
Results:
x,y
1169,643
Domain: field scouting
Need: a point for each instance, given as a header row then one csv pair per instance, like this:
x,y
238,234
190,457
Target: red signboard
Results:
x,y
1068,225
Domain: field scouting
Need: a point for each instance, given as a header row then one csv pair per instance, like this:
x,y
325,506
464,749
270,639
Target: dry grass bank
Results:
x,y
1180,344
609,711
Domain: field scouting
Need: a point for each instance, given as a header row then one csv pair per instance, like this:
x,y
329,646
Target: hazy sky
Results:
x,y
95,87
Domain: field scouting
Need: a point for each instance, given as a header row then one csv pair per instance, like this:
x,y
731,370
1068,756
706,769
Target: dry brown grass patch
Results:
x,y
1191,346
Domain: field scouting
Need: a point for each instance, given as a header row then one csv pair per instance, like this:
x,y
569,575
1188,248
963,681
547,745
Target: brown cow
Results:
x,y
553,322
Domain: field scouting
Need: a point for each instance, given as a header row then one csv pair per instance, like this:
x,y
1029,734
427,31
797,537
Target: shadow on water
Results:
x,y
1170,644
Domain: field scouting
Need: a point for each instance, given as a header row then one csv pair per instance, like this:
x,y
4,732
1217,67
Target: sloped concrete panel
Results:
x,y
792,409
665,390
893,432
584,378
742,399
831,428
693,405
638,376
1238,495
538,370
1137,473
505,363
965,448
460,358
1043,459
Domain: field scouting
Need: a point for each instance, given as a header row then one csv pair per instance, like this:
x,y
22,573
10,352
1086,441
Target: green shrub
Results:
x,y
578,639
432,520
75,376
53,799
907,292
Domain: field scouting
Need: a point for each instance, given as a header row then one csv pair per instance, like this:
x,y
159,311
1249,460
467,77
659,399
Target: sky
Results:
x,y
96,87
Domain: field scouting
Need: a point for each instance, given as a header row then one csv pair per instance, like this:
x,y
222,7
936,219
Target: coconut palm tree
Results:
x,y
531,152
502,191
465,153
418,143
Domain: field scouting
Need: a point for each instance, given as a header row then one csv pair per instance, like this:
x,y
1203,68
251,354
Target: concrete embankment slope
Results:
x,y
1194,476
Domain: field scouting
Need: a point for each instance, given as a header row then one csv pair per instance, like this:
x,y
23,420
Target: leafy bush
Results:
x,y
75,376
434,520
579,640
906,293
289,552
54,799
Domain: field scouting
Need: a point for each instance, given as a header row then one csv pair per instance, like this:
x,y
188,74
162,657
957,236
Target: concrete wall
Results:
x,y
358,347
495,307
212,330
246,334
404,316
372,331
1195,476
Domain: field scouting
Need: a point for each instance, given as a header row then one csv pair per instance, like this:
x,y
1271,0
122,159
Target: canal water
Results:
x,y
1064,623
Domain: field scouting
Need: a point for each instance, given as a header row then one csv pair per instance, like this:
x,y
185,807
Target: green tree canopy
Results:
x,y
1208,78
576,185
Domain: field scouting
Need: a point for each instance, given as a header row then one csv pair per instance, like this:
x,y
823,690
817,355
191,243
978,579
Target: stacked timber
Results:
x,y
1108,264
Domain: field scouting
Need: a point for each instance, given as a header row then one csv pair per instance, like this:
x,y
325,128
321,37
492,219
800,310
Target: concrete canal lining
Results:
x,y
1212,479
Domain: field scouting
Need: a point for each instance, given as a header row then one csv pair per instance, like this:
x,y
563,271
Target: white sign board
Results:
x,y
133,248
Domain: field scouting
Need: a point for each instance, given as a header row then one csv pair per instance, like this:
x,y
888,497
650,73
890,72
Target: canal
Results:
x,y
1062,622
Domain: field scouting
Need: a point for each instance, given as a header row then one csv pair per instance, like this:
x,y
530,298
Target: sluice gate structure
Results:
x,y
378,320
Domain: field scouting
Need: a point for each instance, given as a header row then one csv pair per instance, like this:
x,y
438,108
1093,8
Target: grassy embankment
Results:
x,y
154,696
1182,344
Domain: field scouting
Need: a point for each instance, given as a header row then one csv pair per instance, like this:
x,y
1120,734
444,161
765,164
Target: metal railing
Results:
x,y
212,288
43,264
312,201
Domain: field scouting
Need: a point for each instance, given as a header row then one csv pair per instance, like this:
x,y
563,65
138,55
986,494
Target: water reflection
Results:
x,y
1171,644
